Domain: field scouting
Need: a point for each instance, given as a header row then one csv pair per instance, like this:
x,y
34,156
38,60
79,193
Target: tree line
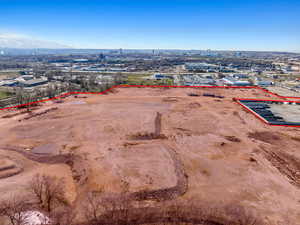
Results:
x,y
23,96
47,198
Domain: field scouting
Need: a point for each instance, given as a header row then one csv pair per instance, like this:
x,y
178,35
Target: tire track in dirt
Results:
x,y
287,165
179,189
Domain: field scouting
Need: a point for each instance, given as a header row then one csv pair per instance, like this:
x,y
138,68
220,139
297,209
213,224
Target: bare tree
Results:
x,y
84,84
243,216
103,208
48,191
93,207
15,210
52,90
119,78
63,216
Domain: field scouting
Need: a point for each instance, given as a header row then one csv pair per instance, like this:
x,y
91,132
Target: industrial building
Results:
x,y
159,76
200,67
33,83
197,80
265,83
9,83
241,76
231,81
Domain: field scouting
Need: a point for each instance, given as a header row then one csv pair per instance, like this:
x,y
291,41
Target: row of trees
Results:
x,y
81,84
47,198
46,195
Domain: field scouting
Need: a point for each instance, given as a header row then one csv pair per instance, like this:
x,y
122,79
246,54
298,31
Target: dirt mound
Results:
x,y
146,136
6,164
13,114
194,105
151,135
9,168
264,136
232,139
39,113
170,99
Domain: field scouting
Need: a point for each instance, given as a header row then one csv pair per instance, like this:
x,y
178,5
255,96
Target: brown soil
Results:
x,y
287,164
232,139
264,136
9,168
159,144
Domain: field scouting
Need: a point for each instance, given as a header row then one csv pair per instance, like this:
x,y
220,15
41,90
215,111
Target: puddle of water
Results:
x,y
47,149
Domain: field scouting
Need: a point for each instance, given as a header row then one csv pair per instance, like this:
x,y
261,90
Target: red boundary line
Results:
x,y
254,113
175,86
265,100
237,100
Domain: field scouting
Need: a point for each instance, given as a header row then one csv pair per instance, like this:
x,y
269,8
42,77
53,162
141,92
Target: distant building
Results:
x,y
197,80
9,83
200,67
25,78
117,69
227,71
288,68
265,83
296,68
159,76
231,81
204,81
240,76
238,54
33,83
80,60
242,83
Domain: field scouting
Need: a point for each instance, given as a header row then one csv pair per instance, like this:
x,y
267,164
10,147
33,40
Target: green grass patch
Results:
x,y
4,94
144,79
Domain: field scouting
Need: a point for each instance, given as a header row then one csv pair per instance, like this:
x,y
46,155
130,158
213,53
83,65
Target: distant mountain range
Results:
x,y
20,42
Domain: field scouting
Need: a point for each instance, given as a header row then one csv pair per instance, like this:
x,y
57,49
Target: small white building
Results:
x,y
234,82
265,83
25,78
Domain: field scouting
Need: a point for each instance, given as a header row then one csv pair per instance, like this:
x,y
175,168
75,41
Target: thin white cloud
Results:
x,y
13,35
13,40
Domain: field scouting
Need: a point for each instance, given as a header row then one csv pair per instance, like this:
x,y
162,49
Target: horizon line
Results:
x,y
158,49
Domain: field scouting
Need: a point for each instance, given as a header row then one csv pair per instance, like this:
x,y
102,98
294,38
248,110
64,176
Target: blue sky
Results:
x,y
165,24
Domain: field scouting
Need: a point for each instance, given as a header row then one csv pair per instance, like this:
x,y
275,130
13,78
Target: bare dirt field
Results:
x,y
284,91
157,144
